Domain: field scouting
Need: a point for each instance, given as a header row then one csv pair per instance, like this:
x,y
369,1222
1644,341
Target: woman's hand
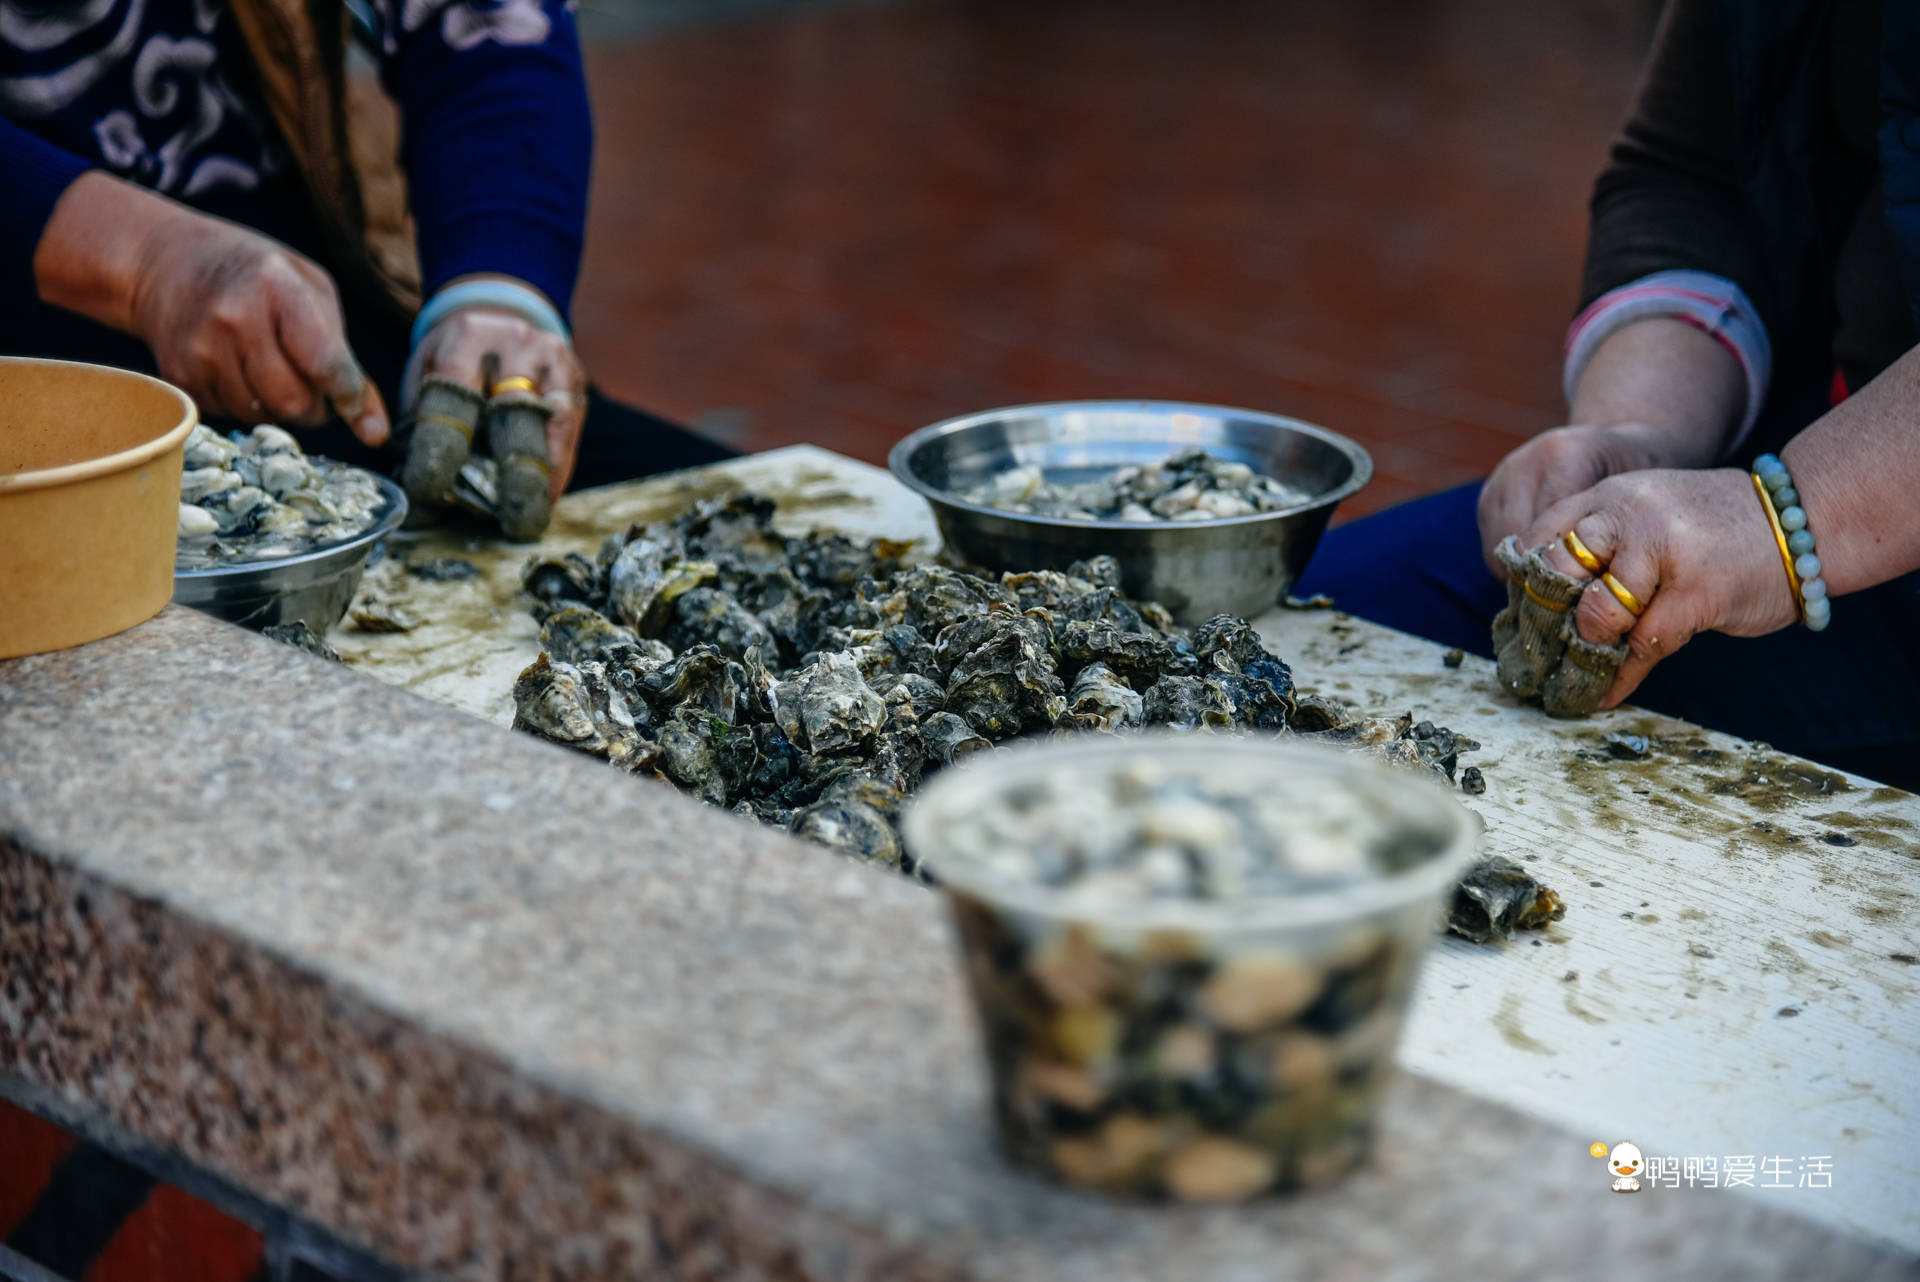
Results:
x,y
1695,547
253,331
1667,395
1557,464
478,345
247,327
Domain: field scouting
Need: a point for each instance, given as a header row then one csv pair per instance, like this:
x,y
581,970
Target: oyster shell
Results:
x,y
827,706
949,737
575,632
1100,700
926,695
1000,675
582,707
569,578
813,682
645,576
1139,657
851,827
701,680
715,617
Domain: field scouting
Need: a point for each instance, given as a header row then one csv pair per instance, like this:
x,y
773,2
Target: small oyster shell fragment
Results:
x,y
1498,897
375,615
445,569
298,635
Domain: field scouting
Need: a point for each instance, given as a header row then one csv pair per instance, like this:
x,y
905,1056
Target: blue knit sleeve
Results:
x,y
498,137
38,173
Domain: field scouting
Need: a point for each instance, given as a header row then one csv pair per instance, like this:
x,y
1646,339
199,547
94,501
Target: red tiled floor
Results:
x,y
840,225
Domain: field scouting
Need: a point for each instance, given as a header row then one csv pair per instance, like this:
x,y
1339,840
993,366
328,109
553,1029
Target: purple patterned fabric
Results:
x,y
161,93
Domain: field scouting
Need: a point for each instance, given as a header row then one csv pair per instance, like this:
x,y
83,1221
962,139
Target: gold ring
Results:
x,y
1627,600
1581,553
518,383
458,424
546,468
1558,607
1780,541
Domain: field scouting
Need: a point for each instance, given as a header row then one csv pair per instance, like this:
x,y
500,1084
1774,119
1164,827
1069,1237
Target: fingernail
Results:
x,y
372,428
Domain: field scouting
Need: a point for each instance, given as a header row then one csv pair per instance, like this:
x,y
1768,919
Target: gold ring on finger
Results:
x,y
1628,601
1558,607
518,383
1583,554
459,425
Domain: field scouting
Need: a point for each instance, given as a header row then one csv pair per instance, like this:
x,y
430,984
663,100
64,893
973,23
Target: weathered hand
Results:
x,y
1557,464
467,344
1694,546
250,329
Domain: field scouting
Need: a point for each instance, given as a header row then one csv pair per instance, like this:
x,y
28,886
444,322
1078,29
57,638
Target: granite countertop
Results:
x,y
494,1010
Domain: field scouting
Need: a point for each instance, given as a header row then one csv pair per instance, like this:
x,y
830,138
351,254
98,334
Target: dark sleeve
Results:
x,y
497,139
38,174
1671,197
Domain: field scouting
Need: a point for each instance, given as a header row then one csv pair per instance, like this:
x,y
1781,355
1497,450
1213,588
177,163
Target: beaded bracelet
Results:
x,y
1790,531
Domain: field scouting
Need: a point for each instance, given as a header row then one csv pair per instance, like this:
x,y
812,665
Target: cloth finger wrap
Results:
x,y
517,439
1540,653
440,441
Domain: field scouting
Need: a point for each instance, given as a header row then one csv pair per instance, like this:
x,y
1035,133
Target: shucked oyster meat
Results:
x,y
258,497
1192,485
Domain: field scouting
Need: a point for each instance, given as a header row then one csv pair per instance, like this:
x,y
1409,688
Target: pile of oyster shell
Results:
x,y
258,497
812,683
1192,485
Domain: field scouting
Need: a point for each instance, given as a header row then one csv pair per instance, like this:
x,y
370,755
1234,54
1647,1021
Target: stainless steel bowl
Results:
x,y
315,586
1233,565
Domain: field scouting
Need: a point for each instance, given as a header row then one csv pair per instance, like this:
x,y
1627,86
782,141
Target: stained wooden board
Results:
x,y
1731,978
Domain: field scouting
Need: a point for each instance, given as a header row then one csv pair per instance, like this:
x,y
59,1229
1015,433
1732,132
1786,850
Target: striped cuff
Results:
x,y
1705,301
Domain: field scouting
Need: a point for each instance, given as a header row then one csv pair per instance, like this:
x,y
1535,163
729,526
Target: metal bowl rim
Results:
x,y
906,446
389,521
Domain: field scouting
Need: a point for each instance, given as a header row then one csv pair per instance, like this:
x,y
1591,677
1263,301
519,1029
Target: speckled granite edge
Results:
x,y
496,1011
431,1154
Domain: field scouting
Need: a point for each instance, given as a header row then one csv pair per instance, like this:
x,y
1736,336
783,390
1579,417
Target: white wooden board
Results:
x,y
1725,982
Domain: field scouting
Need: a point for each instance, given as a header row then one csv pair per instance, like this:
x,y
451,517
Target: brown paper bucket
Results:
x,y
89,500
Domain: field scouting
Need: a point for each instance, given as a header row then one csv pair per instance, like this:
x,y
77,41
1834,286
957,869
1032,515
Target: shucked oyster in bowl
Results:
x,y
1191,957
1208,510
1191,485
268,535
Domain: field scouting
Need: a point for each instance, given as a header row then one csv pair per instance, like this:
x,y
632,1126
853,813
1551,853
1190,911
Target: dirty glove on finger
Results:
x,y
1582,677
517,439
1530,635
443,423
